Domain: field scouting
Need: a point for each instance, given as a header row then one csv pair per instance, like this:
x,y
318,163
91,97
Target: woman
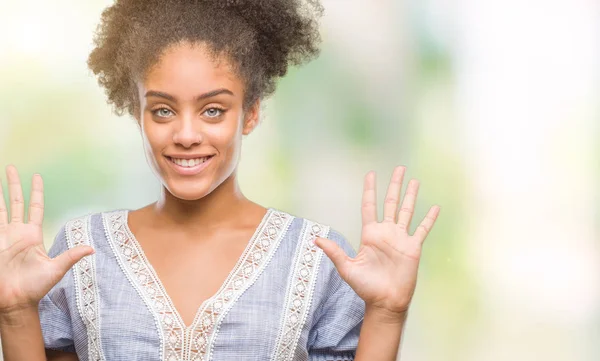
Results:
x,y
204,273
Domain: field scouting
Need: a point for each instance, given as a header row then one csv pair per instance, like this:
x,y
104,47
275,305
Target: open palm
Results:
x,y
384,272
26,271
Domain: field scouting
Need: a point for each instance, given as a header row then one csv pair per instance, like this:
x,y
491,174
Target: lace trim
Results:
x,y
86,287
136,268
194,343
251,265
300,291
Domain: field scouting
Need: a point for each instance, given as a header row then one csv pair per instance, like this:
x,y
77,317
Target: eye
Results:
x,y
213,112
162,112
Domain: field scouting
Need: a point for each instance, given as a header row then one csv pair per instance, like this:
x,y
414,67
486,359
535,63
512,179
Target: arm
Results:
x,y
22,339
22,336
61,356
380,336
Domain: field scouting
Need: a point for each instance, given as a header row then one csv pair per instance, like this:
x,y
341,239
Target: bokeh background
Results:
x,y
492,104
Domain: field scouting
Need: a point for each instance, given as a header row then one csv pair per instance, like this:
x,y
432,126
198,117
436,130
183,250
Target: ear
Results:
x,y
251,117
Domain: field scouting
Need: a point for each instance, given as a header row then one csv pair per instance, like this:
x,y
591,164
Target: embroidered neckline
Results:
x,y
203,305
193,342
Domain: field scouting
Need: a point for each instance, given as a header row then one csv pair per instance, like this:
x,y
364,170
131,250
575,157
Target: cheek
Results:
x,y
154,137
227,136
154,140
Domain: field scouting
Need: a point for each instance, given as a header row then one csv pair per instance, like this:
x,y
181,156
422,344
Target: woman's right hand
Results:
x,y
26,271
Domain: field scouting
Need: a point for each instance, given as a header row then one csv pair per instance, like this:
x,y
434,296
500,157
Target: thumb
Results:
x,y
67,259
335,253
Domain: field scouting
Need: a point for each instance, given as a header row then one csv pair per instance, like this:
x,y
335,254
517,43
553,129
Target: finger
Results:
x,y
392,198
36,202
335,253
408,204
3,209
423,229
369,200
15,194
67,259
3,219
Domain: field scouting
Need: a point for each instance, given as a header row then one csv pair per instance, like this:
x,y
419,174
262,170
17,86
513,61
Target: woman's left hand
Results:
x,y
384,272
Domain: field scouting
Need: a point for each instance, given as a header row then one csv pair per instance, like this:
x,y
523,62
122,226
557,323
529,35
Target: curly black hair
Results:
x,y
260,39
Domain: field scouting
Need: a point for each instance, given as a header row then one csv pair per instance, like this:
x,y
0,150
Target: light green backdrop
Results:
x,y
491,105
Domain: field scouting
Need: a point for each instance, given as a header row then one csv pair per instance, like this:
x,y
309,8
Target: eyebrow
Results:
x,y
209,94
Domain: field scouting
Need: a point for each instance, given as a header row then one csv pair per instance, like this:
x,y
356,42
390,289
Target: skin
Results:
x,y
383,273
193,209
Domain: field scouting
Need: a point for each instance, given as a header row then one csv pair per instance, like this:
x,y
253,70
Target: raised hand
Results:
x,y
26,271
384,272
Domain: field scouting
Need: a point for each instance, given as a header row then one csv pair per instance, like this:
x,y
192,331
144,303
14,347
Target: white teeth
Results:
x,y
189,162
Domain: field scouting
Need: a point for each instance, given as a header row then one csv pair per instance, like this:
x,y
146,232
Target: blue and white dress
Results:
x,y
284,300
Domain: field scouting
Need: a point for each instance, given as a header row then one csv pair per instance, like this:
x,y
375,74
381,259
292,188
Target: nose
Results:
x,y
186,134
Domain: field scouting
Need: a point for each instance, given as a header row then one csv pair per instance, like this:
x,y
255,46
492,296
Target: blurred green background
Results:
x,y
492,105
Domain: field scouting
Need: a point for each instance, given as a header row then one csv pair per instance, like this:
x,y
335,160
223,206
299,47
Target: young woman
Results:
x,y
204,273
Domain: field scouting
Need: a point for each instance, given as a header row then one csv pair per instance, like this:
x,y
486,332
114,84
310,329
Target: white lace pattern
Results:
x,y
86,287
299,295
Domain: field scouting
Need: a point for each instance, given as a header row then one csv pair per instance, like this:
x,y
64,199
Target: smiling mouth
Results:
x,y
188,163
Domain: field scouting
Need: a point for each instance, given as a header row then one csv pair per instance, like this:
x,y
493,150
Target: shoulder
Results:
x,y
334,304
304,227
82,229
310,257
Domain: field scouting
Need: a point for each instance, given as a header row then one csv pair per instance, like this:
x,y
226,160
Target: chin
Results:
x,y
189,191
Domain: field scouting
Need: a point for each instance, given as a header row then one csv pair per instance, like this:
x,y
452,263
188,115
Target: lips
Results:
x,y
189,163
191,166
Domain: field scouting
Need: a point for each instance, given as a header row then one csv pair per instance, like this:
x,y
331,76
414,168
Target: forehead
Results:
x,y
185,70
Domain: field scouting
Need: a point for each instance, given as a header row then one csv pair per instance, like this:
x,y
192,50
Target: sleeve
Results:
x,y
55,318
334,334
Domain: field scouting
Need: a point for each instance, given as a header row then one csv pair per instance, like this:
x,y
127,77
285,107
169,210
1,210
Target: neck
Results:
x,y
221,206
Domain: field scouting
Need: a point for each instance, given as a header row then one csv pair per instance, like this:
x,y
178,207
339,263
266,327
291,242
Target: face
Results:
x,y
192,120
